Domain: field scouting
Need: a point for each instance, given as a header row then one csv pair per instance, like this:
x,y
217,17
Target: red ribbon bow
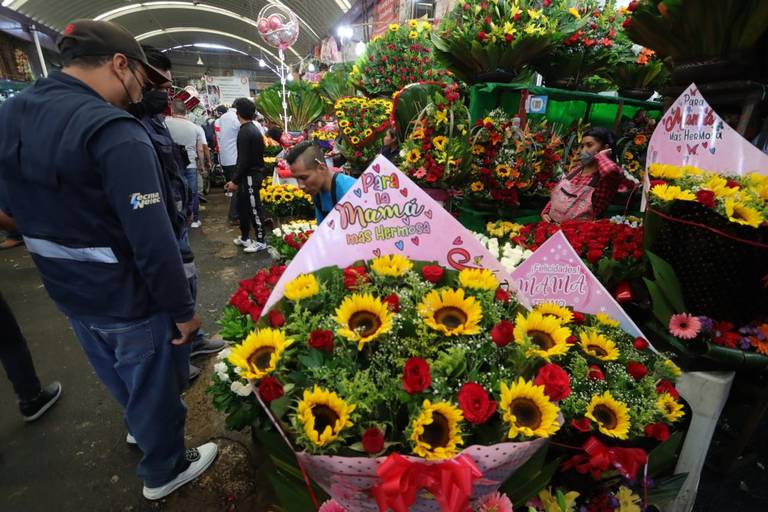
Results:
x,y
599,458
450,482
623,292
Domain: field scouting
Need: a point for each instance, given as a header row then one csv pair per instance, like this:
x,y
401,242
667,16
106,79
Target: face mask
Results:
x,y
154,102
586,157
131,101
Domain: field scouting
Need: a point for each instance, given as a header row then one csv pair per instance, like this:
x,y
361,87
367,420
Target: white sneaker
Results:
x,y
130,439
196,224
242,243
200,459
254,247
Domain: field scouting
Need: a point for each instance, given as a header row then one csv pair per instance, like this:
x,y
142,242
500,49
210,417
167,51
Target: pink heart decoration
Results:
x,y
679,148
704,144
404,192
415,240
376,168
428,213
458,241
377,252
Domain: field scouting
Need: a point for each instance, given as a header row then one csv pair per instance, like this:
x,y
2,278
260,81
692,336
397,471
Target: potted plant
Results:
x,y
637,76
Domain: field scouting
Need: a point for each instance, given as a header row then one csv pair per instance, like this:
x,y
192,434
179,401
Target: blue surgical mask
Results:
x,y
586,157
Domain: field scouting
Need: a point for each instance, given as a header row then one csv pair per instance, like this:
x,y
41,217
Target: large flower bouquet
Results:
x,y
613,251
362,123
401,56
479,38
284,200
436,153
289,238
633,149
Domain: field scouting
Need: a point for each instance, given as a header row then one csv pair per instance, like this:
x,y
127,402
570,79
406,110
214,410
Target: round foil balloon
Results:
x,y
278,26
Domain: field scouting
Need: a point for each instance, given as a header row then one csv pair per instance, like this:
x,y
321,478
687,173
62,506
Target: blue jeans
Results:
x,y
200,336
146,374
190,175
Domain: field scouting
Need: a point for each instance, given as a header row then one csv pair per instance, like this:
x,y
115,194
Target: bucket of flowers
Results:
x,y
284,200
290,237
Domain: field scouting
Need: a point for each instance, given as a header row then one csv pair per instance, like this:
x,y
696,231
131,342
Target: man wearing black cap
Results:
x,y
92,211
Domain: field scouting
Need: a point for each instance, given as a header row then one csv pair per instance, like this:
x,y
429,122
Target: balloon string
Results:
x,y
708,228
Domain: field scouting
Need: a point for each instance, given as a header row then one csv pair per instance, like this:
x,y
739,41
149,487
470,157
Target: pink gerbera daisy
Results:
x,y
684,326
331,506
495,502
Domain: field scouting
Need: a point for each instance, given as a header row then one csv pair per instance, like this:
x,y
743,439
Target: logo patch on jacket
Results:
x,y
139,200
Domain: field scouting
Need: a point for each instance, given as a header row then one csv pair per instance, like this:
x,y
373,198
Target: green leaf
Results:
x,y
667,281
659,304
292,494
664,457
530,478
666,489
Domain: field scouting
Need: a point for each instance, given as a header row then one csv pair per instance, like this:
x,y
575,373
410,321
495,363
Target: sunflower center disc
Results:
x,y
605,416
364,323
437,433
451,317
597,350
526,412
261,358
542,339
324,417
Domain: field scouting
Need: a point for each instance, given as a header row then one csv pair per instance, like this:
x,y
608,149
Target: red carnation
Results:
x,y
503,295
320,339
354,277
571,340
502,333
706,197
666,386
433,273
557,384
373,440
270,389
640,344
581,425
637,370
595,373
416,376
475,403
658,431
276,318
393,302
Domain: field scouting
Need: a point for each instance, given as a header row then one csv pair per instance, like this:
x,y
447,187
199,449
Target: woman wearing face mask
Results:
x,y
588,187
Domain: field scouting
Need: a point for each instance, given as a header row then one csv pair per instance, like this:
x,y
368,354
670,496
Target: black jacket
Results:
x,y
250,152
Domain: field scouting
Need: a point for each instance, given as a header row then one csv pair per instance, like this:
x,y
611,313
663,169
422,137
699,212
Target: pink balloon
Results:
x,y
263,26
275,21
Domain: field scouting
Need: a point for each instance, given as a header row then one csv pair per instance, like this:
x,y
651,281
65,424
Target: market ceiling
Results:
x,y
167,24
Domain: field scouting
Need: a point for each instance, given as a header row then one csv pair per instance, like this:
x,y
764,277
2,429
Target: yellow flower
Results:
x,y
368,132
302,287
417,133
628,156
673,368
340,113
598,346
669,407
363,318
606,319
534,14
742,214
719,186
344,123
413,156
551,503
665,171
575,13
413,34
547,336
477,186
450,313
527,410
436,431
413,23
561,314
478,279
672,193
391,266
259,353
354,140
611,416
628,501
439,142
425,25
394,27
323,415
478,150
503,171
441,117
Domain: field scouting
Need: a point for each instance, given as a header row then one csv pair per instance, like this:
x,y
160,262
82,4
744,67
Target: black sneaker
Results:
x,y
33,409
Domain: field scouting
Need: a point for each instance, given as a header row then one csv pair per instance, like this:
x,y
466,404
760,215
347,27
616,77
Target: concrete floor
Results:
x,y
75,457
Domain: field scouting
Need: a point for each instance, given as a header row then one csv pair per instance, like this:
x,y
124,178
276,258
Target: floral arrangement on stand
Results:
x,y
289,238
637,75
401,56
481,40
326,136
633,149
362,123
436,153
284,200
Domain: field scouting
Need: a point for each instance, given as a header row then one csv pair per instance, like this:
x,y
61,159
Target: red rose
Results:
x,y
640,344
579,318
241,301
320,339
475,403
433,273
627,23
466,7
658,431
581,425
637,370
557,384
270,389
706,197
276,318
547,3
354,277
482,36
594,255
393,302
416,375
502,333
503,295
373,440
595,373
667,387
572,340
633,5
273,279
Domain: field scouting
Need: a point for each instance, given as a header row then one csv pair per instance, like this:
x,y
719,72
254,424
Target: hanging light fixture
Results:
x,y
262,64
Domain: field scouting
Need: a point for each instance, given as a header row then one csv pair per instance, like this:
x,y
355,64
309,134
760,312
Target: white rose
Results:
x,y
220,367
223,354
508,264
277,232
223,377
241,389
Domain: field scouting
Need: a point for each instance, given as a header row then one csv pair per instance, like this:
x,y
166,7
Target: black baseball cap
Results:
x,y
87,38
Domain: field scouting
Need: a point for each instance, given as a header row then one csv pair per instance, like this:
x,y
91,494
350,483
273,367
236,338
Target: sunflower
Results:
x,y
413,156
598,346
439,142
449,312
669,407
436,432
606,319
477,186
417,134
611,416
478,150
392,266
368,132
394,27
260,352
323,415
413,23
355,140
672,193
742,214
478,279
363,318
528,410
563,315
302,287
347,131
413,34
719,186
503,170
628,156
665,171
344,123
546,334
